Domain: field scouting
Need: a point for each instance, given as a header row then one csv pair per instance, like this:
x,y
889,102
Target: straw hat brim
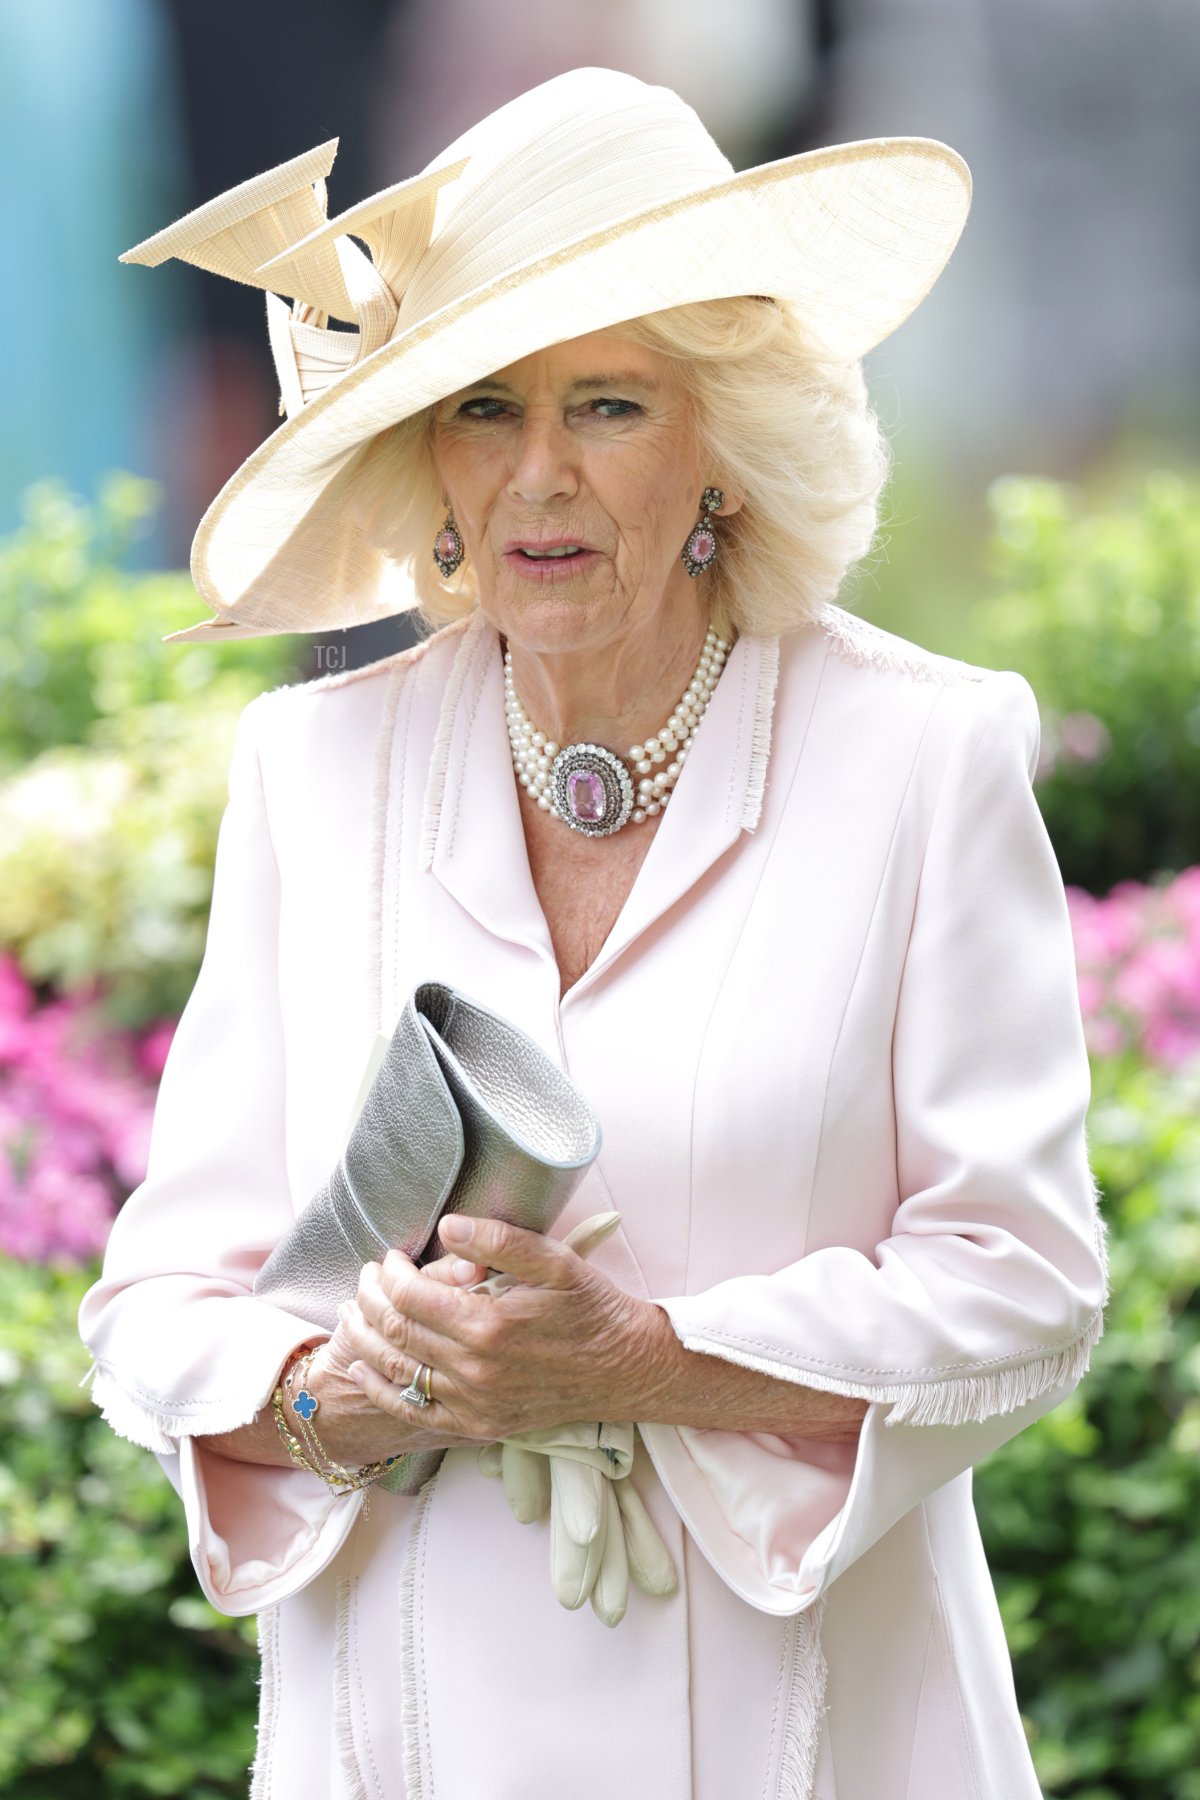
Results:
x,y
854,236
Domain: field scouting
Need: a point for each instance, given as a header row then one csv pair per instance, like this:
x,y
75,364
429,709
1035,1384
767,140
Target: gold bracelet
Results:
x,y
304,1406
295,1448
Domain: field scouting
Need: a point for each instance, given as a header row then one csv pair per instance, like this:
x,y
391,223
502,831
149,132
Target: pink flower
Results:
x,y
153,1047
1171,1041
1181,900
1092,994
1083,738
76,1104
1138,957
16,1000
1104,929
16,996
1104,1036
54,1214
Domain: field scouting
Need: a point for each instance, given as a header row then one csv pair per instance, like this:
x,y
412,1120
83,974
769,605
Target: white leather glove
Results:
x,y
600,1531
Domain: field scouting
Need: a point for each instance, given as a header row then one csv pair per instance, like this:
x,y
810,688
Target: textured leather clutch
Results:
x,y
465,1114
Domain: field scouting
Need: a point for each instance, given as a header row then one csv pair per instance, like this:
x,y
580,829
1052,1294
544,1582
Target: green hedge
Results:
x,y
1090,1516
81,636
120,1679
1099,607
114,753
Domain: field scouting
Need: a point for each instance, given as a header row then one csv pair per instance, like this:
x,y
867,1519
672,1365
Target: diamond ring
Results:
x,y
415,1393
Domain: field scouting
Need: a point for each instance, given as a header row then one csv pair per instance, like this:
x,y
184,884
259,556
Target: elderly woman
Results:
x,y
796,931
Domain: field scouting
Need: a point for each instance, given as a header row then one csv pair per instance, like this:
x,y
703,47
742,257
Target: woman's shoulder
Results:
x,y
882,663
886,685
310,736
861,645
346,708
369,681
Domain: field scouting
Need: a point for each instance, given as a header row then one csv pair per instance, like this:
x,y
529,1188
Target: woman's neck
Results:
x,y
616,697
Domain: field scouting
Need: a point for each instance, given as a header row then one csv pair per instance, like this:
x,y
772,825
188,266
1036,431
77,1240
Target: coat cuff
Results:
x,y
256,1534
779,1519
215,1382
960,1392
949,1399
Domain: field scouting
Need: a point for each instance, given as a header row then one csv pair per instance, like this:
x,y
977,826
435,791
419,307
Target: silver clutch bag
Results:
x,y
465,1114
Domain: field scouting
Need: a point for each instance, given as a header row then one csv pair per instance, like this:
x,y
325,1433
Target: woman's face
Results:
x,y
575,480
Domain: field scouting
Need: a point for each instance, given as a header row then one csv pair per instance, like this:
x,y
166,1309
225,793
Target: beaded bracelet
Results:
x,y
304,1406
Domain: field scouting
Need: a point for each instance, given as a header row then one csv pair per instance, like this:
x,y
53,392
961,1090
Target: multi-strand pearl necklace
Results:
x,y
591,788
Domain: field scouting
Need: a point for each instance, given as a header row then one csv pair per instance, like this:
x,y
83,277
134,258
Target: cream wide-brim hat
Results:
x,y
589,201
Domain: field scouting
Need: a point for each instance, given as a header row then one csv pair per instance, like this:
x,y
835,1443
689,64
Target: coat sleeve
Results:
x,y
977,1313
181,1347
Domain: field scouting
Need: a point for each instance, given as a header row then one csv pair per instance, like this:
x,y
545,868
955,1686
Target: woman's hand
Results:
x,y
351,1429
568,1344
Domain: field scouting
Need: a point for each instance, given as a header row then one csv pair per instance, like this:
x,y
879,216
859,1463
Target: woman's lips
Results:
x,y
549,562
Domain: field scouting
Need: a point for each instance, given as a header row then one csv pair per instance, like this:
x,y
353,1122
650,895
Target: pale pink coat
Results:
x,y
835,1048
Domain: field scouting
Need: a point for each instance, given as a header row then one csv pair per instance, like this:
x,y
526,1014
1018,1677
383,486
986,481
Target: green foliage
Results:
x,y
106,855
120,1678
1090,1515
116,750
1100,611
80,636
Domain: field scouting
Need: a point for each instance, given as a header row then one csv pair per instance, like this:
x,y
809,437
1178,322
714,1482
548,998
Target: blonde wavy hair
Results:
x,y
793,433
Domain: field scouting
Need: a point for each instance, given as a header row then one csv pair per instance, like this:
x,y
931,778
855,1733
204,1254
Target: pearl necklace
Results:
x,y
589,787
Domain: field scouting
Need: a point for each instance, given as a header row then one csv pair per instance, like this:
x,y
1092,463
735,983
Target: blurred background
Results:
x,y
1042,407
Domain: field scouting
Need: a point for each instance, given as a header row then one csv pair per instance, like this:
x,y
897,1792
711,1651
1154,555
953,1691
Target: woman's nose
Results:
x,y
544,464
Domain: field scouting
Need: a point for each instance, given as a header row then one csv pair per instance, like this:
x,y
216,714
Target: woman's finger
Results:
x,y
371,1299
396,1361
396,1298
381,1370
443,1417
357,1340
401,1291
528,1255
453,1271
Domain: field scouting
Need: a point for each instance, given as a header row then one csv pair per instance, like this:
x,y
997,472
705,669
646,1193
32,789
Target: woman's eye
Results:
x,y
484,406
487,406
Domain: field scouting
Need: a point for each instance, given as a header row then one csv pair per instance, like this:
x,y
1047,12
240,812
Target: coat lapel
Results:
x,y
474,844
717,797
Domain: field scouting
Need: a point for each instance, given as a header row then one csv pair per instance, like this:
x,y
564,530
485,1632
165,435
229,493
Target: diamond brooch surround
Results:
x,y
591,789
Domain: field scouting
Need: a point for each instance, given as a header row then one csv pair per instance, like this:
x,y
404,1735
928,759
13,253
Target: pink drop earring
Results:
x,y
700,551
448,551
